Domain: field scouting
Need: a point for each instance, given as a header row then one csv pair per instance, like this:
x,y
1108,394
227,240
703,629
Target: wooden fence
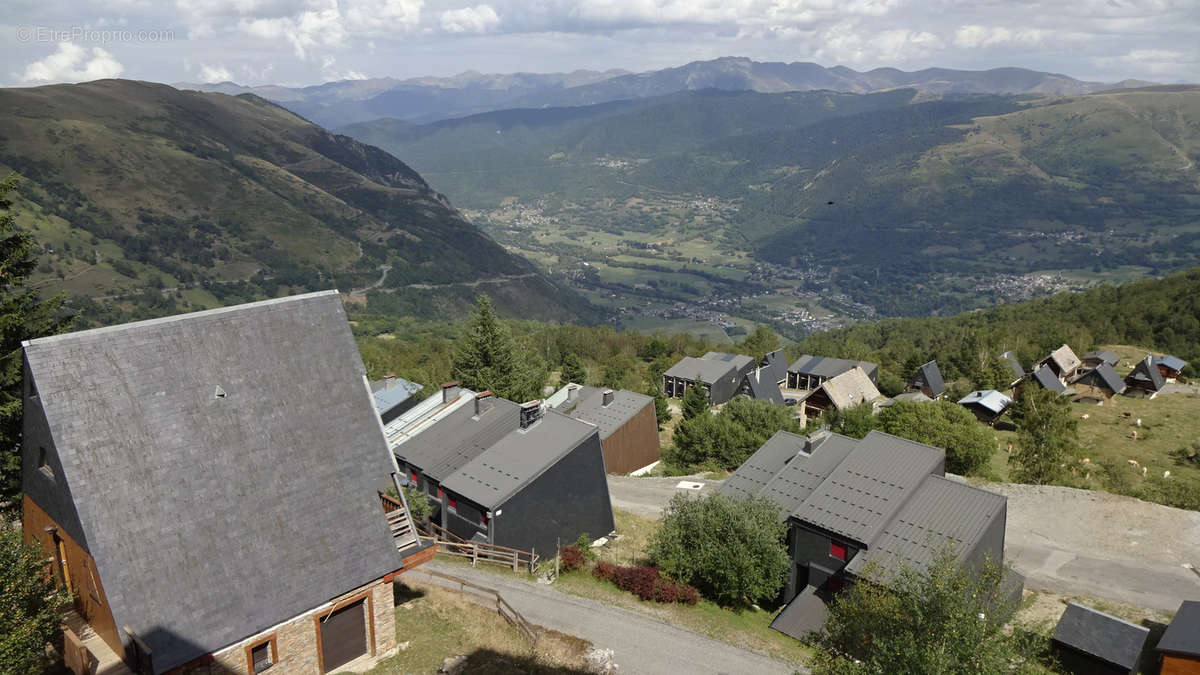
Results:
x,y
488,597
477,552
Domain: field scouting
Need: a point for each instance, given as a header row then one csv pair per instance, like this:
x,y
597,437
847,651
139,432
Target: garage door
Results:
x,y
344,636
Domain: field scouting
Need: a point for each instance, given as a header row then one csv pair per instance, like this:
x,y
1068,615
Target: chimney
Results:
x,y
449,391
608,397
389,380
572,392
483,402
531,412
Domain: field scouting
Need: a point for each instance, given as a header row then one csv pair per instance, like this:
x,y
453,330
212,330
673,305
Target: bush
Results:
x,y
571,557
942,424
732,548
646,583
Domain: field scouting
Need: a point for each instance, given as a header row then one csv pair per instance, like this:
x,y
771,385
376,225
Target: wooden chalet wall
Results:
x,y
82,577
634,445
1180,664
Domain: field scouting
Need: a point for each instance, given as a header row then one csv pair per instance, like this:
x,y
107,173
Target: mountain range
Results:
x,y
205,196
428,98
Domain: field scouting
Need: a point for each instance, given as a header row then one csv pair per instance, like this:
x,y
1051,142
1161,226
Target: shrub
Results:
x,y
646,583
571,558
968,445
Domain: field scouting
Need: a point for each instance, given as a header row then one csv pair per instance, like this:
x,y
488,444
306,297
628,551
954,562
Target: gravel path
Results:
x,y
1062,539
641,644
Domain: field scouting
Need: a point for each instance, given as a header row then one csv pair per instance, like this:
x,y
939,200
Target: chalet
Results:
x,y
721,374
809,372
1097,385
1087,642
1017,371
1062,362
207,487
504,473
1171,367
626,420
394,396
986,404
928,380
1045,378
1095,358
848,390
1146,380
759,384
855,507
1180,644
774,367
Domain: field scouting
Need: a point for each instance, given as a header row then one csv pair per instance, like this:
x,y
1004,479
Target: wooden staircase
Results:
x,y
400,522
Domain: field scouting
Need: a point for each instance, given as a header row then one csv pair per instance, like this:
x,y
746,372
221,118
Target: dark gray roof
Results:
x,y
931,376
1048,380
1183,635
391,392
941,514
1146,372
1106,637
805,614
516,459
451,442
708,371
763,387
1011,359
739,361
588,406
987,398
865,490
825,366
797,481
280,472
1103,355
1102,375
1171,362
754,474
775,365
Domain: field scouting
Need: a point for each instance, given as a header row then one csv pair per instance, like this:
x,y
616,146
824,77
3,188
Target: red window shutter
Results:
x,y
453,503
439,493
483,519
414,477
837,550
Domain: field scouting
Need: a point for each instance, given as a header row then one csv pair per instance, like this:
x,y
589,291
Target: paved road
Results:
x,y
640,643
1062,540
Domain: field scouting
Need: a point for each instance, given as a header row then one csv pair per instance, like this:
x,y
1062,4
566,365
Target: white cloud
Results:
x,y
847,42
1170,65
216,73
72,64
974,35
477,19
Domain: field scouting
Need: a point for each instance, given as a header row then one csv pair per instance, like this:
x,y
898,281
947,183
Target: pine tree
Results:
x,y
487,358
1047,435
23,316
573,370
695,401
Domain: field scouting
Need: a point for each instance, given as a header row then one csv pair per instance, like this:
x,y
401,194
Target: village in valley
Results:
x,y
320,508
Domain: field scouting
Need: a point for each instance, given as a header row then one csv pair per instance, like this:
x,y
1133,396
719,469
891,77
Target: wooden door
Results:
x,y
344,636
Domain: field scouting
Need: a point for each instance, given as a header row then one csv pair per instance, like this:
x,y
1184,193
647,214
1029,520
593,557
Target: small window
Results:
x,y
219,393
262,655
837,550
43,463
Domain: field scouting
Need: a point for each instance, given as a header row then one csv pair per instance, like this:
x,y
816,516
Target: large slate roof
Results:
x,y
588,406
862,494
517,458
1183,635
1106,637
931,376
708,371
739,361
943,516
826,366
1048,380
763,387
280,471
884,492
775,366
458,437
1102,375
1064,358
851,389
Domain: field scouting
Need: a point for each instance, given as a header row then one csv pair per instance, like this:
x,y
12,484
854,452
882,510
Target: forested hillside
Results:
x,y
904,202
147,200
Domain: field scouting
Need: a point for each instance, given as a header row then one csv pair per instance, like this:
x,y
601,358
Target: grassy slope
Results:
x,y
127,181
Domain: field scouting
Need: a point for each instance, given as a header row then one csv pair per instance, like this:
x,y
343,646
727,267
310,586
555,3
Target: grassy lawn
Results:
x,y
438,623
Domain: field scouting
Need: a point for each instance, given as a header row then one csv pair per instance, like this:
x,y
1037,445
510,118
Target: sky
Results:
x,y
256,42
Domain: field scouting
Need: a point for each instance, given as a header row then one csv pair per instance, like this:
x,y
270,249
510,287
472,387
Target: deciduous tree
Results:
x,y
29,605
944,425
1047,436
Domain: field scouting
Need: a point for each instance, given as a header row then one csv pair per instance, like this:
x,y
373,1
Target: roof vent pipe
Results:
x,y
449,391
